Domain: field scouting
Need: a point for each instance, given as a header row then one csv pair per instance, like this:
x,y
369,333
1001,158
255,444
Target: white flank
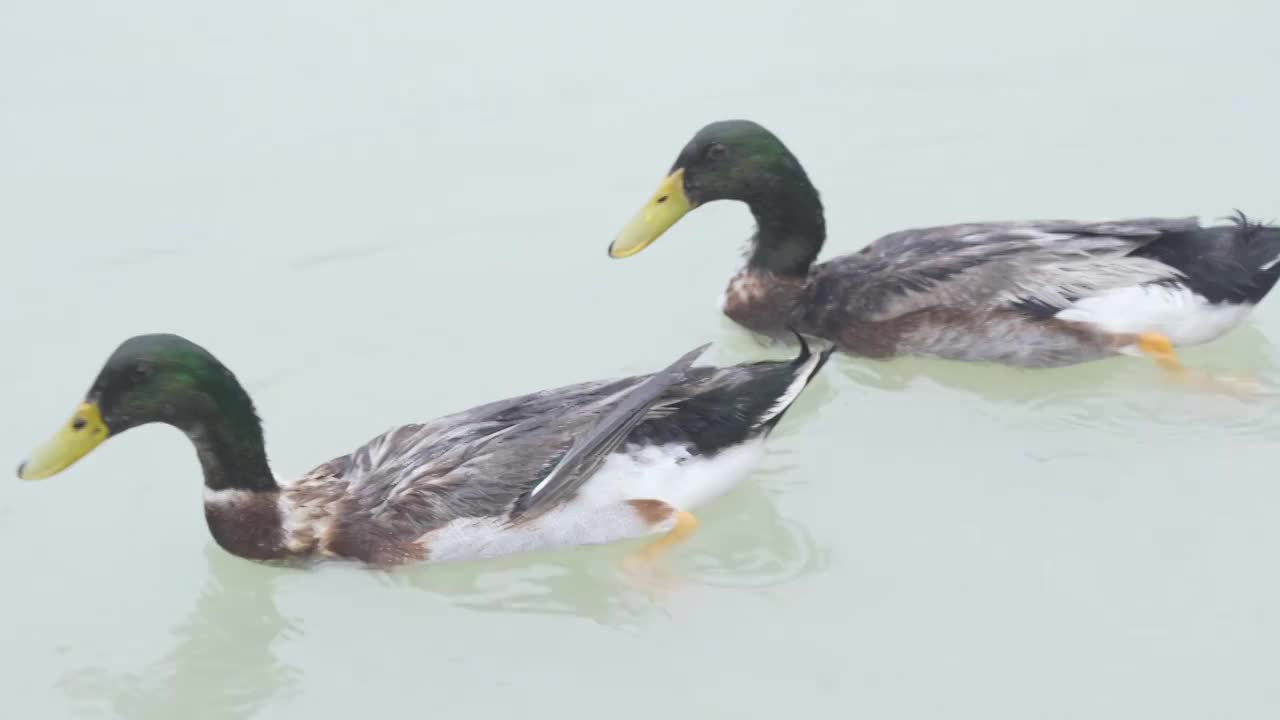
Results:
x,y
598,513
1270,264
1176,312
564,527
670,474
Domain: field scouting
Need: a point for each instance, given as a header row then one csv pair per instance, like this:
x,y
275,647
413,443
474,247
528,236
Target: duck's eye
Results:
x,y
715,151
142,371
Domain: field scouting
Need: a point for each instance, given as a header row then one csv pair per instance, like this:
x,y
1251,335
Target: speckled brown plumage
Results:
x,y
773,305
251,526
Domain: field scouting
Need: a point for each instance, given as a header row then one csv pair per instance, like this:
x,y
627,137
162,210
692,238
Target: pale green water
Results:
x,y
378,213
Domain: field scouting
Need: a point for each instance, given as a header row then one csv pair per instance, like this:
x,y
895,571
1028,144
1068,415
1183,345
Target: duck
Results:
x,y
1029,294
584,464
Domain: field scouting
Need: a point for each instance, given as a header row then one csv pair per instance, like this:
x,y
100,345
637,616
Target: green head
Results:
x,y
148,379
727,160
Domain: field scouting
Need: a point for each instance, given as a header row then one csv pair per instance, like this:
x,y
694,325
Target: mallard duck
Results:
x,y
1031,294
584,464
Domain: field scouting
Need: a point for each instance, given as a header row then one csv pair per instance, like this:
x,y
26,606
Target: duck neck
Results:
x,y
790,230
229,441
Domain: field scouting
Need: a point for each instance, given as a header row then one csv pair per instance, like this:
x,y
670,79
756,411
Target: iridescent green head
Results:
x,y
148,379
727,160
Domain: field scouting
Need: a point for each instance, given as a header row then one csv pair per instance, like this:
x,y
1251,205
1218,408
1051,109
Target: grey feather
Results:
x,y
481,462
991,265
590,449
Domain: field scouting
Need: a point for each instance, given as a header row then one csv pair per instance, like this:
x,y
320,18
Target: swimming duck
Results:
x,y
1031,294
583,464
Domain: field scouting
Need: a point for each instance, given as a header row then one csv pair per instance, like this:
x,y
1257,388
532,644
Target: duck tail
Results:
x,y
1259,243
803,370
825,349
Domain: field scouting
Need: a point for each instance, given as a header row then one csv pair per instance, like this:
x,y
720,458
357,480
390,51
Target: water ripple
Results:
x,y
222,663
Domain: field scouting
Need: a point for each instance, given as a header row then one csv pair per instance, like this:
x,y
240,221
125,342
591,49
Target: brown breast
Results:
x,y
762,302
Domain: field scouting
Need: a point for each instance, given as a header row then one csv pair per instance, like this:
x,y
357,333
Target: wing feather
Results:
x,y
590,448
986,265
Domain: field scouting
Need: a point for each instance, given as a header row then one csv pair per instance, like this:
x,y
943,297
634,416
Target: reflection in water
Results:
x,y
741,542
1120,395
755,547
1244,353
221,665
577,582
1247,349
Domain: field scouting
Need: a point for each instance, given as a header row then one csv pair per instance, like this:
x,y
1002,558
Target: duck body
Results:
x,y
452,488
584,464
1040,293
1029,294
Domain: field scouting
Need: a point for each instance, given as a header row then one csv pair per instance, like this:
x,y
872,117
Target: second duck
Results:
x,y
1031,294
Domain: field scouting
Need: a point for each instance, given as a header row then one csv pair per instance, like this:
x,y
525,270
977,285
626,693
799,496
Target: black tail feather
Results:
x,y
806,351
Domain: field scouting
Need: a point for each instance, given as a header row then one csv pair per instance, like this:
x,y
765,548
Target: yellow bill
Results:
x,y
667,205
82,433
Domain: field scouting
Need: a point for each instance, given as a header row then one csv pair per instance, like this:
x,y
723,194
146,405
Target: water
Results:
x,y
377,214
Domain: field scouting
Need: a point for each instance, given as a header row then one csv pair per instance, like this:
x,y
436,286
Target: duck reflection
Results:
x,y
1239,368
1244,355
222,663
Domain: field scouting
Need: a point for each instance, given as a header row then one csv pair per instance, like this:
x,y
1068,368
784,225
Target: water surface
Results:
x,y
381,213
